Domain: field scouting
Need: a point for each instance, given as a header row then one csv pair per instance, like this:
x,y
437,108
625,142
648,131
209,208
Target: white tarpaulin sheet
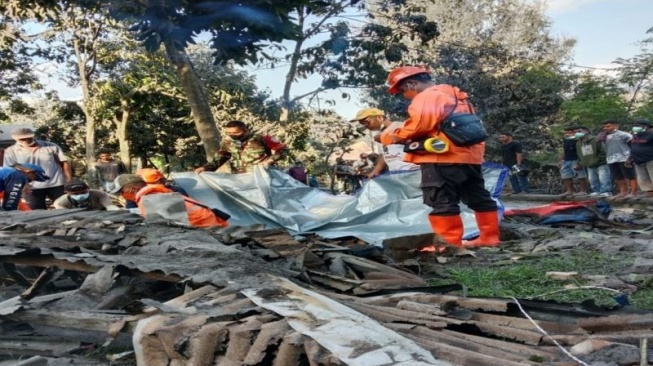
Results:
x,y
386,207
354,338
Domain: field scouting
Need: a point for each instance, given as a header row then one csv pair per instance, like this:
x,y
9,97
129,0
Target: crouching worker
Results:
x,y
12,182
451,163
133,188
79,195
154,176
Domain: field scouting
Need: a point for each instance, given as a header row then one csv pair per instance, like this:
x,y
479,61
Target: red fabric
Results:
x,y
550,209
273,143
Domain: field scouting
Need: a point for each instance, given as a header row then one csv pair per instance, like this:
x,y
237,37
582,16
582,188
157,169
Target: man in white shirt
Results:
x,y
375,120
47,155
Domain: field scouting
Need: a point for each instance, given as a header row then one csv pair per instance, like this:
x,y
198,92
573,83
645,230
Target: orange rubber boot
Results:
x,y
448,227
488,224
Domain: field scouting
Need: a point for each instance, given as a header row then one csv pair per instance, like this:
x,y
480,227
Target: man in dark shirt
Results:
x,y
568,164
511,151
107,169
641,155
299,172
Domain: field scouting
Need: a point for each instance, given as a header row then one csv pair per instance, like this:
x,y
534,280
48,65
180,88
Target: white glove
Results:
x,y
113,208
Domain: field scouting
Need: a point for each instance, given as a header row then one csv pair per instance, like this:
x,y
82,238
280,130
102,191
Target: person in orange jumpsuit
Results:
x,y
449,177
132,187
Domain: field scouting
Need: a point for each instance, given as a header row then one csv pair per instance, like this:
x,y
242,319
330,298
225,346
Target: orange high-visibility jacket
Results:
x,y
427,111
198,216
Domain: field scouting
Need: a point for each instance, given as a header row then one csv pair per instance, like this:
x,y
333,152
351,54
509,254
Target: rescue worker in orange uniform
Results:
x,y
132,187
451,176
155,176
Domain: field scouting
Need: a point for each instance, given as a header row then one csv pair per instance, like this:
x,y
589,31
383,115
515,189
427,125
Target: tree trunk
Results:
x,y
123,139
292,70
88,114
199,104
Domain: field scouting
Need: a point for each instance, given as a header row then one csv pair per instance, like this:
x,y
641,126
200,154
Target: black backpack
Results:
x,y
463,129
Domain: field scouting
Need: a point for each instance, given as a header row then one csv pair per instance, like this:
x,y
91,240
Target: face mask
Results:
x,y
27,143
579,135
79,197
410,94
570,137
238,137
129,196
638,130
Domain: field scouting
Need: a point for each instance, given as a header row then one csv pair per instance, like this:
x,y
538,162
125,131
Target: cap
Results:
x,y
40,173
75,185
150,175
22,133
367,112
125,179
643,122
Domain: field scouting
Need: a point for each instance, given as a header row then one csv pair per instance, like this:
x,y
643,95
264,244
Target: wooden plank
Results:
x,y
69,319
521,323
518,348
81,266
48,275
36,346
461,356
438,336
617,323
497,305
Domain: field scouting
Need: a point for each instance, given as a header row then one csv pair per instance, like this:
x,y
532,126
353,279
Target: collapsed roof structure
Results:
x,y
118,290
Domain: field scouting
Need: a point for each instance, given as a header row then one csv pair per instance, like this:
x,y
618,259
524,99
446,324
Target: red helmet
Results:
x,y
400,73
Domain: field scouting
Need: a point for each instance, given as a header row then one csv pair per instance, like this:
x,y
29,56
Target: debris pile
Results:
x,y
107,288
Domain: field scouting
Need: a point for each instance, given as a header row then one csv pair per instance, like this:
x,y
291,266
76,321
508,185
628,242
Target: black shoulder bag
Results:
x,y
463,129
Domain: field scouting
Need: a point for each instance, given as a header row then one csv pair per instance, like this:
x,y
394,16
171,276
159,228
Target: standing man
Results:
x,y
450,176
568,164
511,152
617,148
80,195
375,120
641,154
12,182
48,156
362,168
107,169
591,156
244,150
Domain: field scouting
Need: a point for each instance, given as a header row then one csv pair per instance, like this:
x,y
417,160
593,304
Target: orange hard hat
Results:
x,y
150,175
400,73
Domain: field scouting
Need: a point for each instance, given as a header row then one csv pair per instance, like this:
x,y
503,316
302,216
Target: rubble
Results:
x,y
102,288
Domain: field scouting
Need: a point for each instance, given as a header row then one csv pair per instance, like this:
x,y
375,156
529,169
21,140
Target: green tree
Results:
x,y
595,99
239,32
637,73
501,52
16,72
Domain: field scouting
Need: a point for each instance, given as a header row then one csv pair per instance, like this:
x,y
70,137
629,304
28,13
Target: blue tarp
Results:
x,y
387,206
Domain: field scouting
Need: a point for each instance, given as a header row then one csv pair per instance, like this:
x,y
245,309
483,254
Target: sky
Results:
x,y
604,30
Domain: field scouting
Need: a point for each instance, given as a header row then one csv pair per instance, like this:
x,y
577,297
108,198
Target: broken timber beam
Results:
x,y
69,319
617,323
81,266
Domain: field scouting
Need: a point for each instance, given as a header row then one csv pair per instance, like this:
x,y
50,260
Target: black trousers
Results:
x,y
36,197
444,186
